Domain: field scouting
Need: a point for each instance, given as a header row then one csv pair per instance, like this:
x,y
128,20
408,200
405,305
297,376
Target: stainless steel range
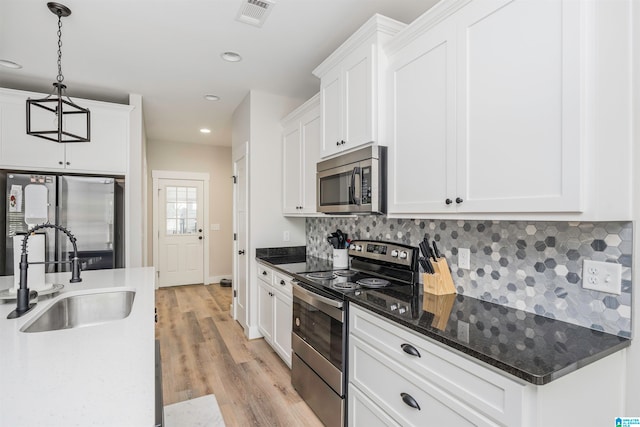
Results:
x,y
320,303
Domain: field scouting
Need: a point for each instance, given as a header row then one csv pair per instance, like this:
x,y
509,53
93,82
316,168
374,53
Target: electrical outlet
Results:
x,y
464,258
602,276
286,236
463,331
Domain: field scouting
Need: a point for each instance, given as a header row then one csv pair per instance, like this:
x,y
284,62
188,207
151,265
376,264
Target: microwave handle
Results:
x,y
353,198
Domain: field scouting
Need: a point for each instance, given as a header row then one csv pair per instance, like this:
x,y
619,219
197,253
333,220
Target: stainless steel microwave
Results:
x,y
353,182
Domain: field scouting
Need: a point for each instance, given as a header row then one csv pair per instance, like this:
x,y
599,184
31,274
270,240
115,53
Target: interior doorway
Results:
x,y
240,218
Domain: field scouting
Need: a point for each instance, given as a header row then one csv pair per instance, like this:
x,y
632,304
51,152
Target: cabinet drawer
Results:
x,y
264,273
282,283
495,395
364,412
386,382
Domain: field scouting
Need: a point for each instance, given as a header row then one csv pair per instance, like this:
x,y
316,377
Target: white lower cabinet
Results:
x,y
275,305
442,388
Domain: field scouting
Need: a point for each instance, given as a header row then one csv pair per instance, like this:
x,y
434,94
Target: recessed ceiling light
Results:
x,y
205,130
231,57
212,97
10,64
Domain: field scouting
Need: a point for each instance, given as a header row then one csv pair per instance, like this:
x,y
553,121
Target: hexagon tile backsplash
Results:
x,y
532,266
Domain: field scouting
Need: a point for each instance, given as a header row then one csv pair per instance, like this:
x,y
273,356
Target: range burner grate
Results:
x,y
346,273
322,275
373,282
345,286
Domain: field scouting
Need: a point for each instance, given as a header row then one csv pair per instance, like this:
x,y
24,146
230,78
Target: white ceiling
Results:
x,y
168,51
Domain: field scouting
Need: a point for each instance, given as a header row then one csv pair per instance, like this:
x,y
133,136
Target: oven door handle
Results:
x,y
310,297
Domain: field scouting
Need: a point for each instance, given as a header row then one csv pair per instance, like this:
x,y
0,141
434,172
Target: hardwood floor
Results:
x,y
204,351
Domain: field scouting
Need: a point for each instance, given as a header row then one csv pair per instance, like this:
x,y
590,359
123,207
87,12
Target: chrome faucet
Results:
x,y
23,296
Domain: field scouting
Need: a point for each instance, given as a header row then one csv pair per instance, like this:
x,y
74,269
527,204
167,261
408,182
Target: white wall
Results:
x,y
216,161
632,407
135,224
257,121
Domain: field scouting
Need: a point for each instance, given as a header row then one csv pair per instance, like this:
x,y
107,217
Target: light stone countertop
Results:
x,y
99,375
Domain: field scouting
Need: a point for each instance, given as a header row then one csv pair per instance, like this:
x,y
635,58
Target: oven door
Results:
x,y
318,335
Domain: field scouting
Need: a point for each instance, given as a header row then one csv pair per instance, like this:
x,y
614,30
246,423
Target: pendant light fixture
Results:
x,y
57,118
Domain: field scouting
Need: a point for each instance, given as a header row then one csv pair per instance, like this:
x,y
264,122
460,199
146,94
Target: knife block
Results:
x,y
439,283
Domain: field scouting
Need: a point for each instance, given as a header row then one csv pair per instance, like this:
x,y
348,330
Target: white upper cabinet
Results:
x,y
352,86
492,112
301,152
106,152
487,108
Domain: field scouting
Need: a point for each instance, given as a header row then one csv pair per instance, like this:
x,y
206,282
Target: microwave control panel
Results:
x,y
366,185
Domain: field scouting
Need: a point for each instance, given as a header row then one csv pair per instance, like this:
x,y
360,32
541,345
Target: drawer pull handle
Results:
x,y
264,273
409,349
282,282
409,401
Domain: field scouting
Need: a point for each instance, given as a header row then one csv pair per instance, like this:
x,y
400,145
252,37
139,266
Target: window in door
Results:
x,y
182,207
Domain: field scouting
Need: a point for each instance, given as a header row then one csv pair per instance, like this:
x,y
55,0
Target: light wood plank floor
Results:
x,y
204,351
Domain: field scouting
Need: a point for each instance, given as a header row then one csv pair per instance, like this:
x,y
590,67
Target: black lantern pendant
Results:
x,y
72,123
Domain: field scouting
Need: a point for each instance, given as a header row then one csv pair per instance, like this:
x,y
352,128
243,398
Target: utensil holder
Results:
x,y
439,283
340,258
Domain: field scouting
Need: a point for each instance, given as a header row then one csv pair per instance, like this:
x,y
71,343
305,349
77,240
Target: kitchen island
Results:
x,y
98,375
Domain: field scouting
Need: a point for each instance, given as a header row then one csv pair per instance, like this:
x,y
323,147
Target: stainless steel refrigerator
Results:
x,y
90,207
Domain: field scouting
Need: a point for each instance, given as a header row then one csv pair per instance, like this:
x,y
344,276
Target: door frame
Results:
x,y
242,151
157,175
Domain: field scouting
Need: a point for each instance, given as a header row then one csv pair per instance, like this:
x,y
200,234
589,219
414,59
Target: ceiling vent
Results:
x,y
255,12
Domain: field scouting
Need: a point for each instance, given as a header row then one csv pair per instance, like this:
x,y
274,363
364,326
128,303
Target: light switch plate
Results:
x,y
464,258
602,276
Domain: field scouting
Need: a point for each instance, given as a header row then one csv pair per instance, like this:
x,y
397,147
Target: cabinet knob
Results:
x,y
60,163
282,282
409,401
343,142
264,273
459,200
68,163
409,349
241,252
337,143
199,237
448,201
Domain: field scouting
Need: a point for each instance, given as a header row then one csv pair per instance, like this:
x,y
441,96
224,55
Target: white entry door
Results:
x,y
180,232
240,284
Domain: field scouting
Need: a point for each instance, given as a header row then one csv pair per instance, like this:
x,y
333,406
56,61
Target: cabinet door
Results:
x,y
331,106
291,169
282,317
422,123
519,106
17,149
265,310
108,149
364,412
358,109
311,154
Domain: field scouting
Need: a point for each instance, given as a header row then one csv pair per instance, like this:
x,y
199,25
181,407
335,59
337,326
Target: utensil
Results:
x,y
426,265
436,252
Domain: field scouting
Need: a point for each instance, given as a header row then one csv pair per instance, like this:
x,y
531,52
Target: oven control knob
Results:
x,y
402,310
352,247
403,255
297,321
393,307
394,253
359,248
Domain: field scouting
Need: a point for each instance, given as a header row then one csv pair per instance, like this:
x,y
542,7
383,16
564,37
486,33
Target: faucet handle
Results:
x,y
75,270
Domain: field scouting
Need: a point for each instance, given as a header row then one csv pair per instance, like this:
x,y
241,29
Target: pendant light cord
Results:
x,y
60,77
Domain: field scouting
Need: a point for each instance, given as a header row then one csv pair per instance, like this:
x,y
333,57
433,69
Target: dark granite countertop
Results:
x,y
534,348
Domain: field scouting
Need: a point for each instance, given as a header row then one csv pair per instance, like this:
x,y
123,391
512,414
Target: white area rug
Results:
x,y
199,412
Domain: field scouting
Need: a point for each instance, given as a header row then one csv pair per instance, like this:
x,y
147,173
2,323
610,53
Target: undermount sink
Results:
x,y
83,310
